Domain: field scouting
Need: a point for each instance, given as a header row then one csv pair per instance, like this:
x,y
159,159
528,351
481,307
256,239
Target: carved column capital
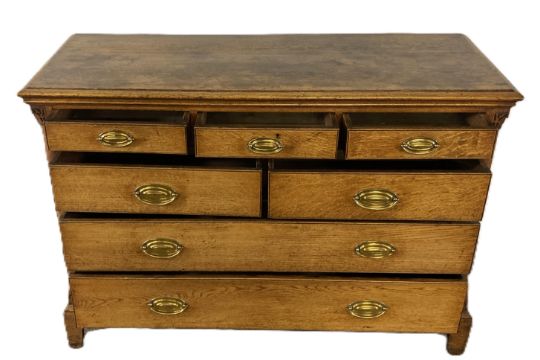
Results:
x,y
496,117
42,113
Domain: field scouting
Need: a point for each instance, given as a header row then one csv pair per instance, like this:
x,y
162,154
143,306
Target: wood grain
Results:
x,y
422,196
271,73
301,138
453,144
265,302
270,62
202,191
149,138
235,245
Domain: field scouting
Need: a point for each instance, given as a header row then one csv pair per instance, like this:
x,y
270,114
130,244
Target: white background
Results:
x,y
504,280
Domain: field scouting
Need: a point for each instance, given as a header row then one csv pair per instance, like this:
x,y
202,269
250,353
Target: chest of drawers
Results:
x,y
303,182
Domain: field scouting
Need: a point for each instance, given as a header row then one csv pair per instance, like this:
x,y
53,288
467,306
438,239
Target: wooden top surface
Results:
x,y
140,66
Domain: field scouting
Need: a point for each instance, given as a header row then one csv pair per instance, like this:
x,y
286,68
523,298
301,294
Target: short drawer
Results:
x,y
266,135
94,183
418,136
120,244
117,131
268,302
436,191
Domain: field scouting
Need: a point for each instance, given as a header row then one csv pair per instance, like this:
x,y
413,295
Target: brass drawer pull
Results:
x,y
265,146
367,309
115,138
167,306
154,194
374,249
420,146
376,199
161,248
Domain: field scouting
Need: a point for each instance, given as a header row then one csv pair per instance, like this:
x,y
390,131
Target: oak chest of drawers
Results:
x,y
307,182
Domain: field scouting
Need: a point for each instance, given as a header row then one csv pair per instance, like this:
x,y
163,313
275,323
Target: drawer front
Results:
x,y
420,144
266,135
160,190
375,195
261,143
117,131
298,303
116,137
176,245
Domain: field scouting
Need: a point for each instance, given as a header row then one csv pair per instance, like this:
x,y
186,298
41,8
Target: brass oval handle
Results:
x,y
376,199
265,146
374,249
161,248
420,146
367,309
155,194
115,138
167,306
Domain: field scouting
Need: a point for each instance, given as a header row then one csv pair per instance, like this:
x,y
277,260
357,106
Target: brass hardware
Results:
x,y
265,146
161,248
420,146
367,309
374,249
154,194
167,306
376,199
115,138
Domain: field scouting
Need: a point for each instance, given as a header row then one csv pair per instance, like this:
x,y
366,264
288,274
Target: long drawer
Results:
x,y
100,244
423,191
196,188
268,302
